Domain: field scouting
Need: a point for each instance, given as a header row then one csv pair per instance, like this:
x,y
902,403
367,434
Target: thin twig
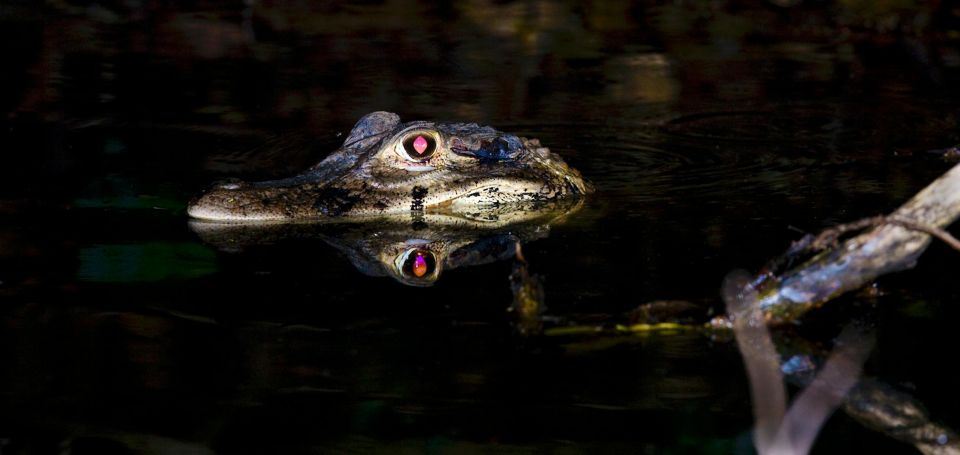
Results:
x,y
941,234
828,237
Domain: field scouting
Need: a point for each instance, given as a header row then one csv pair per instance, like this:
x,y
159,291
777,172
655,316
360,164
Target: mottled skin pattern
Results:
x,y
472,169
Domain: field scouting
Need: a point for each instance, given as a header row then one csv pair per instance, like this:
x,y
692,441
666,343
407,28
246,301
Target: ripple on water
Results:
x,y
803,124
703,157
756,153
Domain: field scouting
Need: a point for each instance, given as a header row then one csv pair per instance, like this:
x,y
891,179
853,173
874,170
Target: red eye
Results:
x,y
419,146
419,264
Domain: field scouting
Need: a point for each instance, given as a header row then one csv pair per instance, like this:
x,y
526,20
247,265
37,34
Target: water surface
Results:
x,y
714,138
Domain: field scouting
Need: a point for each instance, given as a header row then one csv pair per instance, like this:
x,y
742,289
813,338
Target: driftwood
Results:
x,y
892,245
836,383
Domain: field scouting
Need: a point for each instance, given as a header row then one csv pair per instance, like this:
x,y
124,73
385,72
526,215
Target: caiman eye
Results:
x,y
419,146
418,263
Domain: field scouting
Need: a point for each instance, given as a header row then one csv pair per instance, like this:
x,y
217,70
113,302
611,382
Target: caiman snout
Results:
x,y
224,201
235,200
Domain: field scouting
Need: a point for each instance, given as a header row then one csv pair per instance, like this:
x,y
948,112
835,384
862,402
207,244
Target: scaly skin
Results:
x,y
468,171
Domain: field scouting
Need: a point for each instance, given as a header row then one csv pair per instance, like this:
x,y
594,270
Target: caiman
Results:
x,y
389,168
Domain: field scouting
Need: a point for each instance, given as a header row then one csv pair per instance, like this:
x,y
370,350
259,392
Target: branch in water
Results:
x,y
940,234
768,395
893,244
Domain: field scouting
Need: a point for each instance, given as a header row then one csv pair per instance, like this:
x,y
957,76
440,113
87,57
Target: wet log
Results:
x,y
894,244
883,408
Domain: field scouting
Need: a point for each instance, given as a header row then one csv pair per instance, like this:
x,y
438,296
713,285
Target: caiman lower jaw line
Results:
x,y
208,213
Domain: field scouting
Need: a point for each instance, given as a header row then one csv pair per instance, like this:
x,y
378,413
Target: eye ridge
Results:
x,y
419,146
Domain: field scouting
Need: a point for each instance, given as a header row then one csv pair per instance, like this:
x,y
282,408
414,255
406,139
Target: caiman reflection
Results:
x,y
415,254
387,167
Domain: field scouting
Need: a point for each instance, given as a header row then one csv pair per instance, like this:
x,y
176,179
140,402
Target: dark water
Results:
x,y
715,135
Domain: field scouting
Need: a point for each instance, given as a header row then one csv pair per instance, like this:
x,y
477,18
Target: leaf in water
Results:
x,y
156,261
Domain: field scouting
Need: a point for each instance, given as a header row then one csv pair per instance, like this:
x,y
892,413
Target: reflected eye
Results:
x,y
419,146
418,263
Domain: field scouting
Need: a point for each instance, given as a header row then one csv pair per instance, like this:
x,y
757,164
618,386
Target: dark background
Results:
x,y
715,133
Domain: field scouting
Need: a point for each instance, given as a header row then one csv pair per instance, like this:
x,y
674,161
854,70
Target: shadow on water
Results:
x,y
713,133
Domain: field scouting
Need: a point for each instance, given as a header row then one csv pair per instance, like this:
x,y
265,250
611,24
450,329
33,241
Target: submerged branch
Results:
x,y
883,408
528,296
837,383
768,395
827,391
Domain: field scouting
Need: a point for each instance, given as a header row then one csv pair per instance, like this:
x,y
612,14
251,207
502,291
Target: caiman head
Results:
x,y
386,167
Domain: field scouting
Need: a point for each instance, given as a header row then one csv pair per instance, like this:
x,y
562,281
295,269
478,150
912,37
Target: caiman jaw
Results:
x,y
240,202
